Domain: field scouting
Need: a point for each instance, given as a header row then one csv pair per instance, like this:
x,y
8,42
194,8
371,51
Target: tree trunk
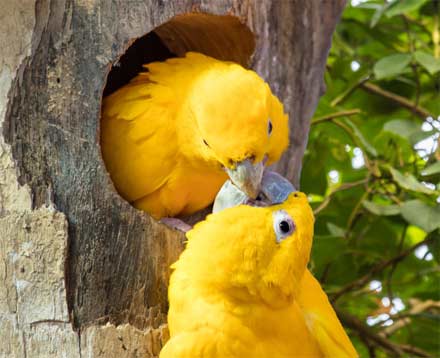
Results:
x,y
83,273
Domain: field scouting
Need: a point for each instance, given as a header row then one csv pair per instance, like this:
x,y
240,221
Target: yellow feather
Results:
x,y
236,292
153,131
322,321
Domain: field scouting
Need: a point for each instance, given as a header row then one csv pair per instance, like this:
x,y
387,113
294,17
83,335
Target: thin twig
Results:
x,y
354,213
403,320
342,187
417,79
412,49
349,91
394,265
370,346
364,331
414,350
362,281
402,101
334,115
325,272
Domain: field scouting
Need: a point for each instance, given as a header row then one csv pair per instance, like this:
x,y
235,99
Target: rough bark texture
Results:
x,y
82,272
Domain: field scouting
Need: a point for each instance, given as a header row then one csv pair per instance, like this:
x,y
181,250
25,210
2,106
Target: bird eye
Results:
x,y
269,127
283,225
206,143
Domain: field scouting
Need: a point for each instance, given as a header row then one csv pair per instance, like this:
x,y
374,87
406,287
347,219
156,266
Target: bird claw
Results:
x,y
176,224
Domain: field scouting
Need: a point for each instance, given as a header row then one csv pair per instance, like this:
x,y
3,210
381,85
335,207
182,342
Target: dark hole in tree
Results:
x,y
146,49
220,36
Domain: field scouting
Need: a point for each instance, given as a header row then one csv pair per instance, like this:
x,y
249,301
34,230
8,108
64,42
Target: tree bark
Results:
x,y
83,272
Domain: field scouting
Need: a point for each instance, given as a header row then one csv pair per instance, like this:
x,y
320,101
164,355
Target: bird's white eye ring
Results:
x,y
269,127
283,225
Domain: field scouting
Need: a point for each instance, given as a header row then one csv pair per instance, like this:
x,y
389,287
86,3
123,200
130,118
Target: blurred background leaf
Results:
x,y
372,172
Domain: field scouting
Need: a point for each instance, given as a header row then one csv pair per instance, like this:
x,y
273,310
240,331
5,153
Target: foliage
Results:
x,y
372,171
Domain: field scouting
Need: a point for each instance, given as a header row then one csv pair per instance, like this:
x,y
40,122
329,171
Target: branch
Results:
x,y
402,101
400,322
354,213
362,281
344,95
394,265
334,115
366,333
342,187
414,350
412,49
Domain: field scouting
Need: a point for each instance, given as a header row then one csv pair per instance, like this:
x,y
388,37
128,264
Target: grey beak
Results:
x,y
228,196
274,190
247,177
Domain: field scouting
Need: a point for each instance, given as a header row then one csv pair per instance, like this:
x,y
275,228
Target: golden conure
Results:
x,y
171,137
241,289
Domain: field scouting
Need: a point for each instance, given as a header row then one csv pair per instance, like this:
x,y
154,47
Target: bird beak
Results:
x,y
228,196
247,177
275,189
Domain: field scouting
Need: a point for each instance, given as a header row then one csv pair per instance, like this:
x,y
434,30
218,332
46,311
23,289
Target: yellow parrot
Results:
x,y
172,136
241,288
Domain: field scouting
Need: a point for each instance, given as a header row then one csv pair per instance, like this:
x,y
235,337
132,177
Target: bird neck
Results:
x,y
190,141
275,293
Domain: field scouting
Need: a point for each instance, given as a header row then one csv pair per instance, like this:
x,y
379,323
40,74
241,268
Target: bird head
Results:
x,y
241,124
252,254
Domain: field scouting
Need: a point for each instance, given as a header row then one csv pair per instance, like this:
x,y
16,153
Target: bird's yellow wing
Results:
x,y
137,120
322,321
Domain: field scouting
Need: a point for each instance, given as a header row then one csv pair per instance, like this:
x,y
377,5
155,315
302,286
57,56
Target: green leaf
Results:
x,y
408,129
394,148
418,213
381,210
358,134
432,169
335,230
402,127
404,6
414,235
392,65
428,61
378,14
409,182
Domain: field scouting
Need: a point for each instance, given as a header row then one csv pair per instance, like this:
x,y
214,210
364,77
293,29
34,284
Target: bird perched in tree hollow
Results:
x,y
172,136
241,288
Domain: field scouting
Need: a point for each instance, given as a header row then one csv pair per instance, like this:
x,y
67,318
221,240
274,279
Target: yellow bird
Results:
x,y
172,136
241,289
